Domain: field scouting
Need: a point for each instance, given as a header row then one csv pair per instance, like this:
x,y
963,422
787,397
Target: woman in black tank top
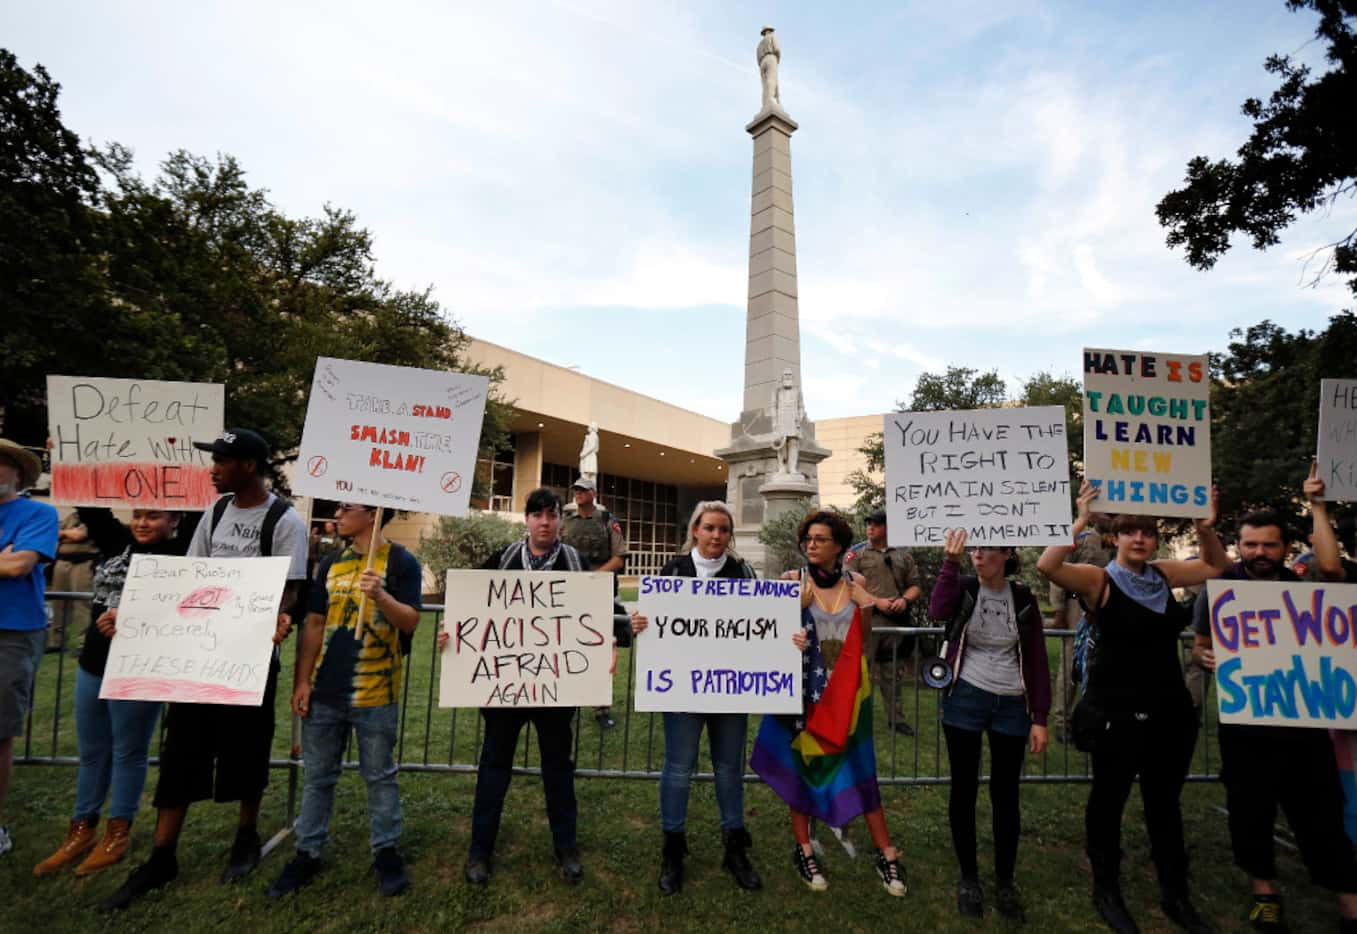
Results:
x,y
1136,685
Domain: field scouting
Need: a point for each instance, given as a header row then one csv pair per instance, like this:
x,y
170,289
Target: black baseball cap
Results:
x,y
239,444
877,518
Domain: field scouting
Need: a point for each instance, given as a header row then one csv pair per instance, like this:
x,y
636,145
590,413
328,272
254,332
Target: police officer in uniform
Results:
x,y
893,579
593,532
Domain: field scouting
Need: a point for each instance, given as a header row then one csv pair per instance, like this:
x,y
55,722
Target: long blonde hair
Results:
x,y
710,505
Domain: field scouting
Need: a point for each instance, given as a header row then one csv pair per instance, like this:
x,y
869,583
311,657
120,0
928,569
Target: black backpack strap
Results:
x,y
218,510
276,510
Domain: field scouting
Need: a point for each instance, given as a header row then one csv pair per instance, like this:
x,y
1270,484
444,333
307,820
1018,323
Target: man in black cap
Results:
x,y
593,532
218,751
893,579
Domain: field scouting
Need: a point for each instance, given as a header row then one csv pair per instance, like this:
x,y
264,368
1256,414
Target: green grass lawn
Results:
x,y
619,831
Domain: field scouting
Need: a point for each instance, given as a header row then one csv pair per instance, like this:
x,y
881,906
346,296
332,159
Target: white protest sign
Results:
x,y
391,436
129,442
719,645
195,630
527,639
1286,653
1337,450
1003,475
1147,432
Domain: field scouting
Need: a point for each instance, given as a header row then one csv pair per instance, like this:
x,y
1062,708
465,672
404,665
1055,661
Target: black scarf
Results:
x,y
825,579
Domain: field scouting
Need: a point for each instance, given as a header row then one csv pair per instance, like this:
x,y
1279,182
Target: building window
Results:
x,y
496,475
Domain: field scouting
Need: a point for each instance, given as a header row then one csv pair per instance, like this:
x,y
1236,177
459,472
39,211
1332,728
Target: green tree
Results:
x,y
1300,157
1265,409
48,249
465,542
782,551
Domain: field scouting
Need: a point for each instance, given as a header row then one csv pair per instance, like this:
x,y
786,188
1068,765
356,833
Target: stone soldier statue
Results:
x,y
788,415
589,453
769,54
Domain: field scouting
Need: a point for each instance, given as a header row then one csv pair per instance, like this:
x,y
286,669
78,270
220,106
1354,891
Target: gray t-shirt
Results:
x,y
237,536
991,662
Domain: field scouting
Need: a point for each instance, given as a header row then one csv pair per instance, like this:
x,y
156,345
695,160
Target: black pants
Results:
x,y
502,728
1263,767
1159,750
1006,757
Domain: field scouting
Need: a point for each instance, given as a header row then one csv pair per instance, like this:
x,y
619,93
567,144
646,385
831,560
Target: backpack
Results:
x,y
276,510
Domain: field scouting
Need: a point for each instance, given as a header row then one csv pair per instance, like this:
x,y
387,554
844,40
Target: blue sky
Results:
x,y
975,181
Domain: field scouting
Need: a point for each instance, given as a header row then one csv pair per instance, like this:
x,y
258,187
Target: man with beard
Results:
x,y
1266,766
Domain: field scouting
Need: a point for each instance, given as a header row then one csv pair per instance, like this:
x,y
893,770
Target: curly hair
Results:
x,y
838,527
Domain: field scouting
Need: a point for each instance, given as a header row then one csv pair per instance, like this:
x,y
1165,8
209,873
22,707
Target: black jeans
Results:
x,y
1263,767
1158,749
502,728
1006,757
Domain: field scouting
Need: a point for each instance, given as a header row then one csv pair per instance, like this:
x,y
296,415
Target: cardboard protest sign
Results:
x,y
391,436
1147,432
1286,653
1003,475
1337,448
129,442
719,645
527,639
196,630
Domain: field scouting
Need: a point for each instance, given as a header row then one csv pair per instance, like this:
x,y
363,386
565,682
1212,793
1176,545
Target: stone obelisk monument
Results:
x,y
772,454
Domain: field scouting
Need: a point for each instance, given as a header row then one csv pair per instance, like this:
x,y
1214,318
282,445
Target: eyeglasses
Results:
x,y
816,540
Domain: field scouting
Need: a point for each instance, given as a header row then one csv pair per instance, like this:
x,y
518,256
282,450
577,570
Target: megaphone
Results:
x,y
935,671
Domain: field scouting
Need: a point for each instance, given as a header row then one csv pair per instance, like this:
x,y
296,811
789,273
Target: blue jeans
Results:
x,y
114,738
968,707
682,733
325,733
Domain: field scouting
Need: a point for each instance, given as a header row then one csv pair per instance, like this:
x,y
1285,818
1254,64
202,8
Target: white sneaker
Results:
x,y
6,841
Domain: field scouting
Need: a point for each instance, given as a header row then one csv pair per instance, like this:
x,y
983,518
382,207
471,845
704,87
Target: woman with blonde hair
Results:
x,y
706,553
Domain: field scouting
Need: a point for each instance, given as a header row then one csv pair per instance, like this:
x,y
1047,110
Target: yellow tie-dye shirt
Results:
x,y
347,673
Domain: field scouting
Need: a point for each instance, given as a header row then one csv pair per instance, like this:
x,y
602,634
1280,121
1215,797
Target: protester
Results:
x,y
221,751
893,580
823,763
28,537
594,533
344,684
72,572
1001,685
1094,546
114,735
706,553
1136,698
541,550
1267,766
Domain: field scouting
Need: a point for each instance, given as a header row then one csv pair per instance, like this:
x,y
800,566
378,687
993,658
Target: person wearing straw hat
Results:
x,y
216,751
28,537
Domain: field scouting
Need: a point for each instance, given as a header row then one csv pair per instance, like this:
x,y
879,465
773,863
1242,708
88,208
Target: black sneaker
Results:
x,y
1265,914
1181,911
477,870
147,877
1008,902
970,898
891,874
809,870
1112,909
392,879
568,858
903,728
245,855
605,719
299,871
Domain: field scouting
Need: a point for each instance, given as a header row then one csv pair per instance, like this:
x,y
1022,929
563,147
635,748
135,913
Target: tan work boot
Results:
x,y
79,838
114,846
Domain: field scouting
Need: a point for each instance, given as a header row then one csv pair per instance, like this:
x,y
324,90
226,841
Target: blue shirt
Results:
x,y
27,526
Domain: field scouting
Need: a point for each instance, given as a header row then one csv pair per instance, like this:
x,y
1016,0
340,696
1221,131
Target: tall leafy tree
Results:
x,y
1300,157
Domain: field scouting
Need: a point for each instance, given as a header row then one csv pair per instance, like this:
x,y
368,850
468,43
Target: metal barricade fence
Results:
x,y
434,739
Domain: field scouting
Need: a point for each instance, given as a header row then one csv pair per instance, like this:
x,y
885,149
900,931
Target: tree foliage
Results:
x,y
1264,412
194,275
1301,156
465,542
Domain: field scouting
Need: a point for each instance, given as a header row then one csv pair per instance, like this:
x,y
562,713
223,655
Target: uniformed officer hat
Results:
x,y
877,518
584,483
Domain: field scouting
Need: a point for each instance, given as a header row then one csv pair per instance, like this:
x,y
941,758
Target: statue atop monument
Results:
x,y
769,55
589,454
788,414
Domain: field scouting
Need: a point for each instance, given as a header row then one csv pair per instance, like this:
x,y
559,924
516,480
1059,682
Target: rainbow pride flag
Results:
x,y
824,763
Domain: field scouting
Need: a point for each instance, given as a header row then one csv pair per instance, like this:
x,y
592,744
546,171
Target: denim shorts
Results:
x,y
20,653
968,707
